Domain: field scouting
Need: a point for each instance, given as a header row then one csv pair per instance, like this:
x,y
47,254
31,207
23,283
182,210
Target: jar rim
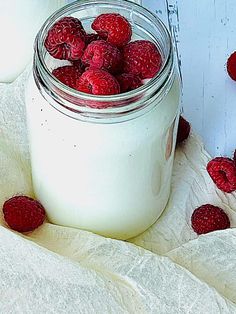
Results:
x,y
51,80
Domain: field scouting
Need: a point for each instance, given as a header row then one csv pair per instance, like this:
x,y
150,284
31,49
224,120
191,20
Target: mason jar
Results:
x,y
105,170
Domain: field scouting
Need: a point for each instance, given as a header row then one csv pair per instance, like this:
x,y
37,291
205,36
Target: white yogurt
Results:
x,y
112,179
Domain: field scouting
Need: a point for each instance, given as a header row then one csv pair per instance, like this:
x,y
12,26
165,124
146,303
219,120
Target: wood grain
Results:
x,y
205,33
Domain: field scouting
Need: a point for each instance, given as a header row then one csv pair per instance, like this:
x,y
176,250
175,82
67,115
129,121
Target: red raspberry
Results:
x,y
183,130
208,218
102,55
98,82
141,57
79,64
68,74
128,82
223,172
91,37
114,28
66,39
231,66
22,213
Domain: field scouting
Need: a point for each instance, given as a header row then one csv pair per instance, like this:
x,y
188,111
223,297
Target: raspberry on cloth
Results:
x,y
208,218
223,172
23,213
183,130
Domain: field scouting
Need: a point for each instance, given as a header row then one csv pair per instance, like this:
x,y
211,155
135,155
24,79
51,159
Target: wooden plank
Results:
x,y
205,33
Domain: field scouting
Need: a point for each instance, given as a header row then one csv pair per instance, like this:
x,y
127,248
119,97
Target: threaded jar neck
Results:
x,y
125,106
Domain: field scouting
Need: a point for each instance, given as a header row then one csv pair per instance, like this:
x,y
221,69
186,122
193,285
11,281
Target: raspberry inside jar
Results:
x,y
95,61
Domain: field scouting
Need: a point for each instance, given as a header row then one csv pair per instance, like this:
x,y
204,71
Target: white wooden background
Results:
x,y
205,33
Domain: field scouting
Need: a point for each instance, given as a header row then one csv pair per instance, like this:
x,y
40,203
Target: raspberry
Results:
x,y
91,37
98,82
100,54
79,64
141,57
128,82
183,130
114,28
22,213
68,74
223,172
66,39
208,218
231,66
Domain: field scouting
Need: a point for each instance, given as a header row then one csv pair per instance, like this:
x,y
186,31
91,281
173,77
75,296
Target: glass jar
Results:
x,y
103,170
19,26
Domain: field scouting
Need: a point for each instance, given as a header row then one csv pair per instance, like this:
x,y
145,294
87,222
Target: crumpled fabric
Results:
x,y
167,269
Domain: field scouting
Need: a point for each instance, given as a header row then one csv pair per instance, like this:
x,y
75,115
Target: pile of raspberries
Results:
x,y
105,62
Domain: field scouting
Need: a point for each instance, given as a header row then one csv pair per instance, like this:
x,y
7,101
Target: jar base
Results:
x,y
118,235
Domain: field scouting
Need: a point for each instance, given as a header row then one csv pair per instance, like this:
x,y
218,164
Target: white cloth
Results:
x,y
168,269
